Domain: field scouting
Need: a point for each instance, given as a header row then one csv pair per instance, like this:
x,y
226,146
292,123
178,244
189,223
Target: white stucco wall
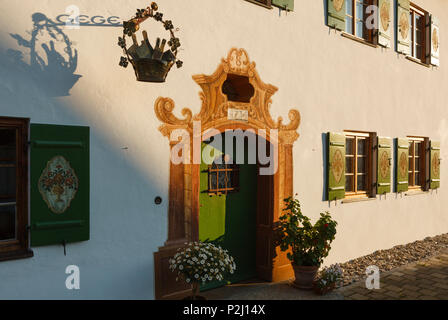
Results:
x,y
334,82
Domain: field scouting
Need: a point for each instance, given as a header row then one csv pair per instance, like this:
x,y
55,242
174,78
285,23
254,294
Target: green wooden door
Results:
x,y
229,220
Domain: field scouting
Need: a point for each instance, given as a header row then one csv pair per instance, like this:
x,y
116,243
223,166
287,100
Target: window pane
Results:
x,y
7,183
362,147
213,182
417,179
418,53
349,25
361,165
222,178
349,184
417,164
349,150
7,145
360,29
349,7
361,183
349,164
419,37
7,222
417,148
359,10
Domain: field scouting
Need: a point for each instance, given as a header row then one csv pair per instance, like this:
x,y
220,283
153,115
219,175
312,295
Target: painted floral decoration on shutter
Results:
x,y
385,15
436,164
404,25
337,166
403,165
337,4
58,184
435,39
384,164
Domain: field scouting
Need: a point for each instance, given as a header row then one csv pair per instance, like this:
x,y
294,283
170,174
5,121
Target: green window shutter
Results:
x,y
402,164
60,190
434,42
435,165
384,158
385,22
404,31
284,4
336,14
336,166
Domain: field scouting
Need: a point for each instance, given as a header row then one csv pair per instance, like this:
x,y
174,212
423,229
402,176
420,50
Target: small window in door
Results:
x,y
223,178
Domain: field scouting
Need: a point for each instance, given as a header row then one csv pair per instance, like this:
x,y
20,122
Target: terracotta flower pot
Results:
x,y
324,290
304,276
195,293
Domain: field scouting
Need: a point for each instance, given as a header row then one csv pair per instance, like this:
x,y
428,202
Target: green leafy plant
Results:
x,y
309,243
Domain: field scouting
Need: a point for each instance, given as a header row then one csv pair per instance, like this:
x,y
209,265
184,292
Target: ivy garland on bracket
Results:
x,y
151,64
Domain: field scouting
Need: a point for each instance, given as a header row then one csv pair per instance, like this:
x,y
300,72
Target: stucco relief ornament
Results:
x,y
435,40
385,15
215,104
338,4
58,184
384,164
403,165
404,25
337,166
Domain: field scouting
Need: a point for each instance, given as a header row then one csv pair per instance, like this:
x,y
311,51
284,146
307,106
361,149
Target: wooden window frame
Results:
x,y
368,163
368,35
421,156
413,10
19,247
267,4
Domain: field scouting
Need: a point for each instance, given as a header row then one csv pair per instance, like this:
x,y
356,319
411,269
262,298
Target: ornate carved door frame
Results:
x,y
183,208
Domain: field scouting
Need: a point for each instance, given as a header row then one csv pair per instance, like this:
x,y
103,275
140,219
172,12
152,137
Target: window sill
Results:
x,y
259,4
415,193
14,255
357,199
360,40
418,61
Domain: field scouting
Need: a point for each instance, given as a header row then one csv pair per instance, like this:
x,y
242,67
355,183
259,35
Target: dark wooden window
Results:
x,y
418,33
357,163
416,163
223,178
356,17
13,188
264,3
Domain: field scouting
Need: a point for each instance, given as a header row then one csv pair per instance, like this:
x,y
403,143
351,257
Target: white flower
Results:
x,y
188,280
181,267
196,276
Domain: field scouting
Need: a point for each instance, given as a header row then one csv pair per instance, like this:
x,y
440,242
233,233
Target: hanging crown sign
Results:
x,y
151,64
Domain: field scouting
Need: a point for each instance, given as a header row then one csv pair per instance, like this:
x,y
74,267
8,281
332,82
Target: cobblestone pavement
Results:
x,y
423,280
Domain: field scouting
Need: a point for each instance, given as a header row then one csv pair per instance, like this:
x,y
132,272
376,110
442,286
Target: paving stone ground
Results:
x,y
423,280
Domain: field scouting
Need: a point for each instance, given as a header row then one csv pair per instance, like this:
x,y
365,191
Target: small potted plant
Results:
x,y
308,244
200,262
327,279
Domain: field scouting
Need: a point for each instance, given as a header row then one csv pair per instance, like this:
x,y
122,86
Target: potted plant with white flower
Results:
x,y
327,279
198,263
